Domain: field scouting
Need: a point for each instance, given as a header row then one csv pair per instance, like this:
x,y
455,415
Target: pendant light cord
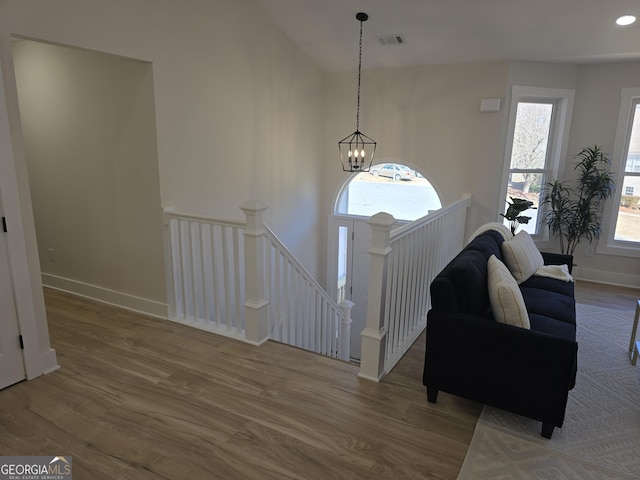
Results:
x,y
359,77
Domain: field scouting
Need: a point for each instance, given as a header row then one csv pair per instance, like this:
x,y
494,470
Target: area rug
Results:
x,y
600,438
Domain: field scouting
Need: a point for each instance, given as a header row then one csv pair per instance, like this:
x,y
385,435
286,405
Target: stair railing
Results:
x,y
239,280
404,262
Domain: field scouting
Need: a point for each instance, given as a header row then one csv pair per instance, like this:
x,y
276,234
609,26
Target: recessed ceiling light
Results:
x,y
625,20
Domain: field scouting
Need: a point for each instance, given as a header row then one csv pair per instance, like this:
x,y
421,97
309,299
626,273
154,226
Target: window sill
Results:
x,y
621,249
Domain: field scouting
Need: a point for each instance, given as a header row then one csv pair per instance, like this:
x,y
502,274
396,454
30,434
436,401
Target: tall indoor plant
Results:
x,y
575,212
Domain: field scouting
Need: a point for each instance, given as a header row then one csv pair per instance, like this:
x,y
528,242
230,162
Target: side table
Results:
x,y
634,346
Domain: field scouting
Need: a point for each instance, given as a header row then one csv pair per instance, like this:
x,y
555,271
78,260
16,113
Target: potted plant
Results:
x,y
515,208
575,212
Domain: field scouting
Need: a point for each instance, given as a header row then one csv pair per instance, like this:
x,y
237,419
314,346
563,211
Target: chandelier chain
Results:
x,y
359,77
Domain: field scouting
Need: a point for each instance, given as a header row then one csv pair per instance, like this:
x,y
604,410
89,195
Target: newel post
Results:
x,y
256,305
374,336
345,329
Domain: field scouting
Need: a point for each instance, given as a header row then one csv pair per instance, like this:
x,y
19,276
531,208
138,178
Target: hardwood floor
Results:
x,y
141,398
607,296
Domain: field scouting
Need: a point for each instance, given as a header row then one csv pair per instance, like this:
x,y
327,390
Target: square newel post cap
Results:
x,y
253,206
381,225
253,211
382,219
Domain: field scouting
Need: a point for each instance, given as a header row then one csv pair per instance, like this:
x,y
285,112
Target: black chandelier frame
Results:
x,y
357,149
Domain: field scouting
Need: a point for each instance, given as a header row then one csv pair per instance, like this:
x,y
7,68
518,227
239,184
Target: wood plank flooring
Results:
x,y
141,398
607,296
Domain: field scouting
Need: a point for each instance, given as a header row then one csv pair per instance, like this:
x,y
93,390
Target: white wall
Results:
x,y
543,75
428,117
237,105
237,115
88,123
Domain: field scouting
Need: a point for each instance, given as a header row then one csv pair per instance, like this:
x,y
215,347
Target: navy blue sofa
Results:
x,y
469,354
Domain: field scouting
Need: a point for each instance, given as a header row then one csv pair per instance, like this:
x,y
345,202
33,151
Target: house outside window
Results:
x,y
537,135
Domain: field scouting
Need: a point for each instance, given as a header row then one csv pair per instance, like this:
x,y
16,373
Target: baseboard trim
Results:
x,y
49,362
608,278
105,295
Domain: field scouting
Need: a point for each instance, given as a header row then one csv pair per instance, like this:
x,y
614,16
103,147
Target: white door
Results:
x,y
11,360
353,240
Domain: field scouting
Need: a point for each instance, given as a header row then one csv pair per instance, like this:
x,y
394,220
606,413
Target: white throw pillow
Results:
x,y
521,256
505,296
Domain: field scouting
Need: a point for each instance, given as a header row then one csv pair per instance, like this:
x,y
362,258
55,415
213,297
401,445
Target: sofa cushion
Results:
x,y
504,294
550,304
521,256
553,327
549,284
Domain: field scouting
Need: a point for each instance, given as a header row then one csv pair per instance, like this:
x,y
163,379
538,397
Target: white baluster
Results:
x,y
345,329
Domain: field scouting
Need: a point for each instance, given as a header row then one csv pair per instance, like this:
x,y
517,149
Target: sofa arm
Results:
x,y
558,259
523,371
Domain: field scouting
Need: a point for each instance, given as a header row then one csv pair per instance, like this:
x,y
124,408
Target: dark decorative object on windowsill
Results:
x,y
516,207
575,213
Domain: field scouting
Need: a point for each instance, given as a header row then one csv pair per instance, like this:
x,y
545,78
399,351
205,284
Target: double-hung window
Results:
x,y
537,134
623,236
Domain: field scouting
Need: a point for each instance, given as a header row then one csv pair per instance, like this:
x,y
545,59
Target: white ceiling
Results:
x,y
458,31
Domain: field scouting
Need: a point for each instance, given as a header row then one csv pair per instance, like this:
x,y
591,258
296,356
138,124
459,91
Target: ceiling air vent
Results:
x,y
392,40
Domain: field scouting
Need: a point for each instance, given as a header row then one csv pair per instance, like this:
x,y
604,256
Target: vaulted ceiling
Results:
x,y
458,31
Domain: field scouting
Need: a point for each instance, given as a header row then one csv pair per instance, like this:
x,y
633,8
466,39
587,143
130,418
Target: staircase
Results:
x,y
239,280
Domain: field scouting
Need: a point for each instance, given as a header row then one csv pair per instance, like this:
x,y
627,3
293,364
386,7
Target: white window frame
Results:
x,y
629,97
557,147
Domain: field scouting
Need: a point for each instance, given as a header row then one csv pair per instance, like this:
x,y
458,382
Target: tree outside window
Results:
x,y
529,165
535,145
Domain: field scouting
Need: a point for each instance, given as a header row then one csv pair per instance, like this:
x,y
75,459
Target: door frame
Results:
x,y
24,264
12,366
337,220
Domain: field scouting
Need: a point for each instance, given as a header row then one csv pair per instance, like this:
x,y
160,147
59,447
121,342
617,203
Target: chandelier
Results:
x,y
357,150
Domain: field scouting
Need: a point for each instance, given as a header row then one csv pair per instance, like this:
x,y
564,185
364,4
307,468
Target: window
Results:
x,y
535,144
623,237
391,187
